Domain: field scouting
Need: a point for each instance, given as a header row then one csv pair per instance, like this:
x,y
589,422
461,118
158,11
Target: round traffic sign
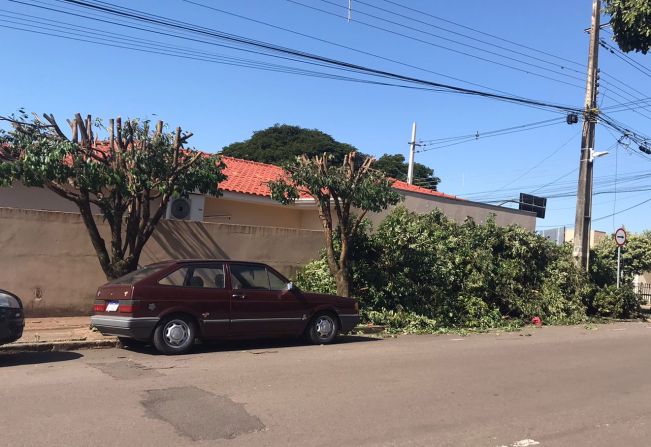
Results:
x,y
620,237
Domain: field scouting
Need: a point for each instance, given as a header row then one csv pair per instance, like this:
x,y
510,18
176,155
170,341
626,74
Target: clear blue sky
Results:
x,y
222,104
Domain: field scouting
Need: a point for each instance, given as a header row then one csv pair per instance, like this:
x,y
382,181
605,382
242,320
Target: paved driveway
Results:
x,y
567,386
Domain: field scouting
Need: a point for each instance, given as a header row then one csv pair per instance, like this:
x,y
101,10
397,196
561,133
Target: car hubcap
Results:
x,y
324,327
176,333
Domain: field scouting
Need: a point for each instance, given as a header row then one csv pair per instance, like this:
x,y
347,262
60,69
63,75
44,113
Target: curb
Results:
x,y
60,346
368,330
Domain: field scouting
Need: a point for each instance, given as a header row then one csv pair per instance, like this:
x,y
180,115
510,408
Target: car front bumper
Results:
x,y
12,323
348,322
138,328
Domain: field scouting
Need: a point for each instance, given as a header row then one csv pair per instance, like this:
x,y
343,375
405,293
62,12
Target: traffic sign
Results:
x,y
620,237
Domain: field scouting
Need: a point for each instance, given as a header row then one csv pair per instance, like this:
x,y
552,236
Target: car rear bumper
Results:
x,y
348,322
139,328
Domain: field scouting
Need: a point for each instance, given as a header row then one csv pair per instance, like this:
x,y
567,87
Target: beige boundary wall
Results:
x,y
47,258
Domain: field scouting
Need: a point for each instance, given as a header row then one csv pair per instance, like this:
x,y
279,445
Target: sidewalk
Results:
x,y
70,333
59,334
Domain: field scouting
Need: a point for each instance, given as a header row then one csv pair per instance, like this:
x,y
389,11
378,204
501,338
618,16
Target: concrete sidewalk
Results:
x,y
59,333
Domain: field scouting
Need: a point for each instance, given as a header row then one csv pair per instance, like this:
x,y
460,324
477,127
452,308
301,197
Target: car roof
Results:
x,y
193,261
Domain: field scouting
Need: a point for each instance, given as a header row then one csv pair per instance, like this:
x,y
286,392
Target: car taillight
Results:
x,y
99,306
128,306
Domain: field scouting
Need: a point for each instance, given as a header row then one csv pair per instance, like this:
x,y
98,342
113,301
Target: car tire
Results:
x,y
175,335
323,329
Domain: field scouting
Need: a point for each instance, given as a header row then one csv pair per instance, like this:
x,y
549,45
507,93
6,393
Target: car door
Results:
x,y
261,304
200,287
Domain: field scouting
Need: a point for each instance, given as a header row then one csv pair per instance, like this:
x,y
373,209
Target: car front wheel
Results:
x,y
175,335
323,329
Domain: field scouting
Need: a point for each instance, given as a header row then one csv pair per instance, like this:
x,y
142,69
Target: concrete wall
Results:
x,y
242,209
459,210
47,258
262,211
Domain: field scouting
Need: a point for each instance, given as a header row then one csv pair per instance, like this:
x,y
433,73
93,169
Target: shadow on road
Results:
x,y
32,358
247,345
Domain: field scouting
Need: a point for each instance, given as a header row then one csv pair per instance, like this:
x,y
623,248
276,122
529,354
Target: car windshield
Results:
x,y
137,275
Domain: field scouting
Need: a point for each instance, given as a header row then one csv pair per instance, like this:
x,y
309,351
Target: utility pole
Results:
x,y
412,153
582,223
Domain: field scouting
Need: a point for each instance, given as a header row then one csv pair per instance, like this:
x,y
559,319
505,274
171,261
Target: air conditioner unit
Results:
x,y
190,208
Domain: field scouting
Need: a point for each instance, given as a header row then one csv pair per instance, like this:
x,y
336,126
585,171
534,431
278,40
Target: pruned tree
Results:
x,y
127,179
631,24
339,191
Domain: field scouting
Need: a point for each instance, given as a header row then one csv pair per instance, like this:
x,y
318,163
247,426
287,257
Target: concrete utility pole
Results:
x,y
582,223
412,153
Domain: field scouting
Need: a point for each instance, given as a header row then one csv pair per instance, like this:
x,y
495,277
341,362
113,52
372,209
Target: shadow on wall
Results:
x,y
188,240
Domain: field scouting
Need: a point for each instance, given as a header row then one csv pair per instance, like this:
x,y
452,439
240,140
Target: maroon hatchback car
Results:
x,y
173,303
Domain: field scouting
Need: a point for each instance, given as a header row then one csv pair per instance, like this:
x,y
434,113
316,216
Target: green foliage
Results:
x,y
631,24
617,303
337,190
462,275
635,259
395,166
400,321
316,277
130,181
281,144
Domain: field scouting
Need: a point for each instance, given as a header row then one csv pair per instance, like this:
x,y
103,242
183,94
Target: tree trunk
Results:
x,y
342,279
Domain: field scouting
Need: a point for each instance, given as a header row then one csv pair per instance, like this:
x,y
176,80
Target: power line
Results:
x,y
543,160
456,41
484,33
300,55
427,42
367,53
454,141
612,50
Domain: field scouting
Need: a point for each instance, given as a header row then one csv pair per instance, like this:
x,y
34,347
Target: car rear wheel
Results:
x,y
175,335
323,329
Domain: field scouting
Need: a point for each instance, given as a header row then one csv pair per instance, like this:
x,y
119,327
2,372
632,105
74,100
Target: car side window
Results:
x,y
249,277
276,282
210,277
176,278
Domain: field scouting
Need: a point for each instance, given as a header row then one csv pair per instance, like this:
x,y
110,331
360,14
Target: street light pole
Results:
x,y
582,226
412,154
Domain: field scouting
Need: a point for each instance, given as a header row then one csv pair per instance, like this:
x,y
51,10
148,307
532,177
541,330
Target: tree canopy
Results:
x,y
281,144
130,178
394,165
338,190
631,24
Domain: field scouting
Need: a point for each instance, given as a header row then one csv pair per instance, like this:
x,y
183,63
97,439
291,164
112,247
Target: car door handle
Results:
x,y
238,296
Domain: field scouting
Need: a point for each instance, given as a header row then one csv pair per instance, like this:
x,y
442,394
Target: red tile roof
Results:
x,y
251,177
404,186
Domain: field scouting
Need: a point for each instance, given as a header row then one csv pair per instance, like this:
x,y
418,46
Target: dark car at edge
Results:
x,y
172,303
12,320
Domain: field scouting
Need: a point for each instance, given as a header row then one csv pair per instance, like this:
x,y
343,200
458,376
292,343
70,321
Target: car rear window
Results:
x,y
137,275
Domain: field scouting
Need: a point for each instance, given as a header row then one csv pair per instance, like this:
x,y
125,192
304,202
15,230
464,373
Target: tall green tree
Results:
x,y
394,165
631,24
338,189
129,179
282,143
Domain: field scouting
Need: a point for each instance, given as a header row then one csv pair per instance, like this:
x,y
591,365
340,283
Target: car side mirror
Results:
x,y
290,286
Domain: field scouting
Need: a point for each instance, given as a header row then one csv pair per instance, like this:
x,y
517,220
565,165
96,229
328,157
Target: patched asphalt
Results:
x,y
556,386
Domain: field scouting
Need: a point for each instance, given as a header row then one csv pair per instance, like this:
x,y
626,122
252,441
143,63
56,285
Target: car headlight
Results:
x,y
7,300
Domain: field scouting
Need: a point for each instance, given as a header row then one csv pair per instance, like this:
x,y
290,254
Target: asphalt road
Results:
x,y
567,386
